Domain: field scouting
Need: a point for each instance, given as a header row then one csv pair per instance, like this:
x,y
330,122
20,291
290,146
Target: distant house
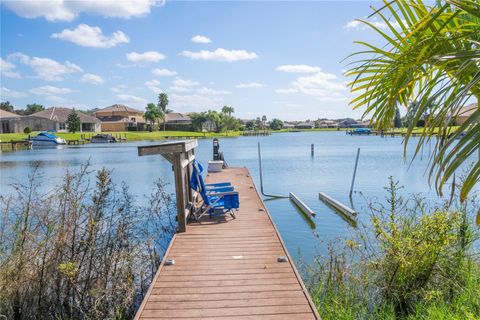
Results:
x,y
51,119
360,124
305,125
6,121
287,125
178,121
209,126
119,117
464,113
327,124
347,123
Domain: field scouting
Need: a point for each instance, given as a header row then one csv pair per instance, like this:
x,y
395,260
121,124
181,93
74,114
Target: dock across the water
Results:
x,y
229,268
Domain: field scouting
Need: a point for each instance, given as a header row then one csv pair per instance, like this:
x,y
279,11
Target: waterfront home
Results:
x,y
119,117
287,125
464,113
6,121
209,126
305,125
178,121
51,119
326,124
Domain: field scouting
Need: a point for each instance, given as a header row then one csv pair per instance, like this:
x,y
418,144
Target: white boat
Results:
x,y
47,139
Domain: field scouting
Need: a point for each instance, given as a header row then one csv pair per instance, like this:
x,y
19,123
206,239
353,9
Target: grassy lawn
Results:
x,y
158,135
131,135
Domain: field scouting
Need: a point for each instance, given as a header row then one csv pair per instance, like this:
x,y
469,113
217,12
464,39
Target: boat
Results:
x,y
103,138
46,139
360,131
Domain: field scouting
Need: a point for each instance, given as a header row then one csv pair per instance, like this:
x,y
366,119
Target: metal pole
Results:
x,y
354,172
260,167
261,176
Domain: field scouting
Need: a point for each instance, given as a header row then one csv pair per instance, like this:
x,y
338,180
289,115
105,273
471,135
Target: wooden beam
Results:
x,y
168,147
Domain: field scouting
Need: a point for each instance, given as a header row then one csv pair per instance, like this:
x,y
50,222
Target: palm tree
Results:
x,y
162,106
228,110
264,121
152,113
430,55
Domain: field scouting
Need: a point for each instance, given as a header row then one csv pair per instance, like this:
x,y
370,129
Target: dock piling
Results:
x,y
312,150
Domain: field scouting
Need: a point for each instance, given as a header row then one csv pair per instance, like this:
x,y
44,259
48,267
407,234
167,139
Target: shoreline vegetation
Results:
x,y
413,260
160,135
84,249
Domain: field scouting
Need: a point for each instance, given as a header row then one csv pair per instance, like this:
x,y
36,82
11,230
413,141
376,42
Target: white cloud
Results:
x,y
45,68
8,69
52,93
6,93
50,90
358,25
324,86
298,68
201,39
286,91
179,82
153,85
148,56
178,89
92,78
209,91
118,89
249,85
65,10
220,54
163,72
87,36
194,102
129,99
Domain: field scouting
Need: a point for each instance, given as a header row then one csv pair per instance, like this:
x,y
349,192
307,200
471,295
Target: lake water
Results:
x,y
287,167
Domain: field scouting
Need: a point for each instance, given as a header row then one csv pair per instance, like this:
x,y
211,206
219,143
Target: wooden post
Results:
x,y
181,155
180,192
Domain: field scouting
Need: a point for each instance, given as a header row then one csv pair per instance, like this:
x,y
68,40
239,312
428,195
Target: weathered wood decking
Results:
x,y
227,268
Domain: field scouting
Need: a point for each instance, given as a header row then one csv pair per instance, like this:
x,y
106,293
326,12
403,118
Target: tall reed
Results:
x,y
83,250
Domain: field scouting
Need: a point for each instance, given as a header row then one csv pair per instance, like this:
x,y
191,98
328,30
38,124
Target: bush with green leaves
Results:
x,y
411,260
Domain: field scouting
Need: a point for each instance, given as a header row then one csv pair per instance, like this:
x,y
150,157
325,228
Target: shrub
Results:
x,y
27,130
80,251
408,263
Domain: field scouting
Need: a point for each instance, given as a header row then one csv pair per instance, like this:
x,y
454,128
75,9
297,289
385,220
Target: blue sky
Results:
x,y
282,59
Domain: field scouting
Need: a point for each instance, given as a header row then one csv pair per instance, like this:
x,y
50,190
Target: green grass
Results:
x,y
131,135
158,135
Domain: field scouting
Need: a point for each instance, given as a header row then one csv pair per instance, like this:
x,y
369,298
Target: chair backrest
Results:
x,y
196,181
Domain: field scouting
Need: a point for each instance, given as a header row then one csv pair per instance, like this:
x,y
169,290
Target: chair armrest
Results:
x,y
228,193
219,184
219,189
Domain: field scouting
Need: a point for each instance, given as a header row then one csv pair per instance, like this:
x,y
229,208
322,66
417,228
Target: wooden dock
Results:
x,y
16,144
227,268
76,142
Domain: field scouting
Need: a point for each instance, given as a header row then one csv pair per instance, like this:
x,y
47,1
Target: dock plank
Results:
x,y
227,268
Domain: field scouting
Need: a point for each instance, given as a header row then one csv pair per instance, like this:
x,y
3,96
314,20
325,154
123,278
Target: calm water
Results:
x,y
287,167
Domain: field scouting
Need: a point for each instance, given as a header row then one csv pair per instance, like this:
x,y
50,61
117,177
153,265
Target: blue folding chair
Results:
x,y
218,198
